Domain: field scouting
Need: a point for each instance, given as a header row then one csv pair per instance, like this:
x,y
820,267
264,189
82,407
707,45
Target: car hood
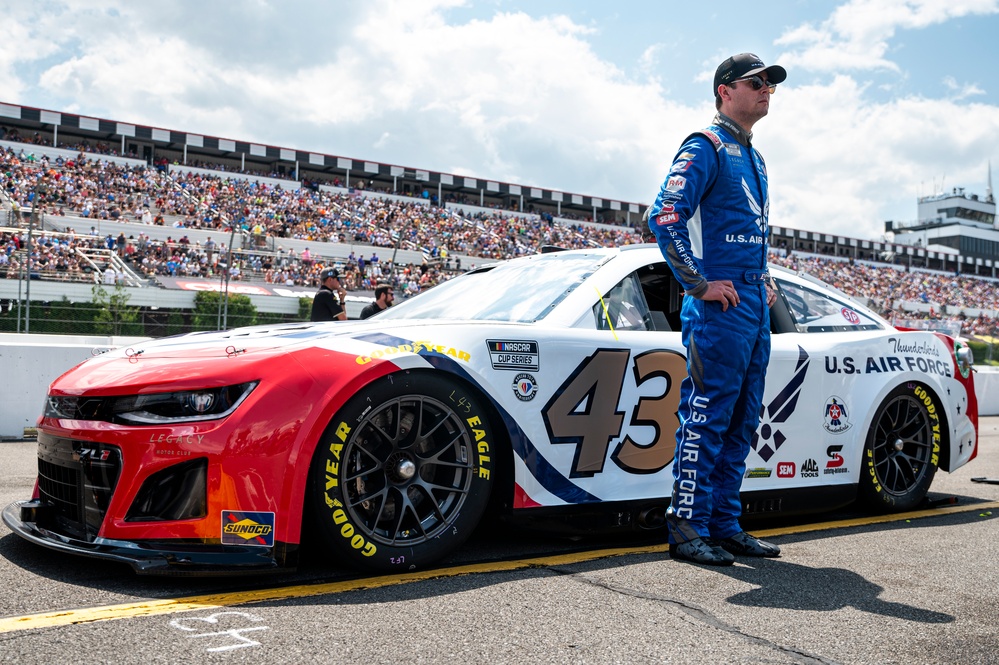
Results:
x,y
215,359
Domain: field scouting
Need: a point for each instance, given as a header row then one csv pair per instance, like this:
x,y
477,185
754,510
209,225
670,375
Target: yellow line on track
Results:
x,y
212,601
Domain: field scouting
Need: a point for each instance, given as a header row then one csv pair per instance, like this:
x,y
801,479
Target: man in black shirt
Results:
x,y
383,300
329,301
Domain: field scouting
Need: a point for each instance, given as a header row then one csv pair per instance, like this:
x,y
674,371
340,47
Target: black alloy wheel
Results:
x,y
902,450
404,473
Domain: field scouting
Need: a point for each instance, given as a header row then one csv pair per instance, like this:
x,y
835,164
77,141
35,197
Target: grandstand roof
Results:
x,y
151,143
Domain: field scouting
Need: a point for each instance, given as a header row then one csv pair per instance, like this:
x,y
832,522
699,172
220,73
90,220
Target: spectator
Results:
x,y
384,296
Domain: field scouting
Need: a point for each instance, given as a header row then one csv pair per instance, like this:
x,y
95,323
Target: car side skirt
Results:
x,y
649,514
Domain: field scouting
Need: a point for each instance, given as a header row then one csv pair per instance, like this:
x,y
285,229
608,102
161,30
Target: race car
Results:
x,y
543,389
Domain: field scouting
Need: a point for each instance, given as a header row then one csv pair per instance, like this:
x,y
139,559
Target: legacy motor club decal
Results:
x,y
835,419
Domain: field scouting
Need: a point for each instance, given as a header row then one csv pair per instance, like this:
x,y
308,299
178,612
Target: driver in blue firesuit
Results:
x,y
710,220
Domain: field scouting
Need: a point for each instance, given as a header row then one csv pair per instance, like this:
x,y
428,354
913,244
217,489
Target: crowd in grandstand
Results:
x,y
91,188
887,286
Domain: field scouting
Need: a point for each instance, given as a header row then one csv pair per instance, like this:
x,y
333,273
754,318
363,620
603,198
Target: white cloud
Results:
x,y
857,35
961,90
513,98
842,164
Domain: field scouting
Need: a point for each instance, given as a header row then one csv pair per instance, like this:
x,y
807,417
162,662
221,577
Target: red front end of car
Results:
x,y
183,462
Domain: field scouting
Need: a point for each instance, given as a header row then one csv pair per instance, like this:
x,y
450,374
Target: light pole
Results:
x,y
40,190
222,322
228,272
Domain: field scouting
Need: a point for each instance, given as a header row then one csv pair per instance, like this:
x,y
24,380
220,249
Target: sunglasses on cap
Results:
x,y
757,82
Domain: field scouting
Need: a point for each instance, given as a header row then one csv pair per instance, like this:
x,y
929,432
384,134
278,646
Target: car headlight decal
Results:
x,y
153,408
186,406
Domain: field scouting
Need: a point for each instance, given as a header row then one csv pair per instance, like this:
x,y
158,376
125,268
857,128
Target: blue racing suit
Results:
x,y
710,220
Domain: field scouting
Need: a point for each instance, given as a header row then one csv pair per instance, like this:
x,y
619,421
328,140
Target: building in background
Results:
x,y
955,222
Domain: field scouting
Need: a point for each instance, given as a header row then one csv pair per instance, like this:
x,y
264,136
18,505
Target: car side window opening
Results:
x,y
814,312
623,307
648,299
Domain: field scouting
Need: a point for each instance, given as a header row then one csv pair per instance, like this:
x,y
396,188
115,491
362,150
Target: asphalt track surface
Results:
x,y
916,588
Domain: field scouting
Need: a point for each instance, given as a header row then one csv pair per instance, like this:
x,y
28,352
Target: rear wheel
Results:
x,y
403,473
902,450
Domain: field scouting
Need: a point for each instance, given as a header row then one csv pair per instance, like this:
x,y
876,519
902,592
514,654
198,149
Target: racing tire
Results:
x,y
902,450
403,473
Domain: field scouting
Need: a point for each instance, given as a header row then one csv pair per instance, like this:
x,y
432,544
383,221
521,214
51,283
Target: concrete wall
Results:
x,y
32,362
987,389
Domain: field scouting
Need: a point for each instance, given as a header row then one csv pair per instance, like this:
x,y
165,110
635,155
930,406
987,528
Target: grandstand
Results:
x,y
102,202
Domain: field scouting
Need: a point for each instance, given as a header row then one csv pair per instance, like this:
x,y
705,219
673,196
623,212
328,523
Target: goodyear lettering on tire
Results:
x,y
339,515
931,408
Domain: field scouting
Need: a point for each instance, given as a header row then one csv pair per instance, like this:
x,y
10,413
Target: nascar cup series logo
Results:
x,y
525,387
835,416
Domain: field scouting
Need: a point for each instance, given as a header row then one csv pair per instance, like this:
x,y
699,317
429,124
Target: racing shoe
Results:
x,y
744,544
697,550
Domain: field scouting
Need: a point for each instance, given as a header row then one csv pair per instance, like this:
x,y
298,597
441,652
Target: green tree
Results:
x,y
304,308
113,315
241,311
175,323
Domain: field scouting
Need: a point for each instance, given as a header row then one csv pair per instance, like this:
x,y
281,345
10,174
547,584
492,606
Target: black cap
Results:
x,y
327,273
743,65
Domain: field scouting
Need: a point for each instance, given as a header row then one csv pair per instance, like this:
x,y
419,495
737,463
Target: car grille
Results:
x,y
77,479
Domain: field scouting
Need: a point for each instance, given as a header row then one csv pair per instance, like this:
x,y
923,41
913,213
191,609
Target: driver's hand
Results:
x,y
722,291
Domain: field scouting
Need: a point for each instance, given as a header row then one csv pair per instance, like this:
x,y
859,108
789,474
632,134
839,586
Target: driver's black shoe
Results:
x,y
744,544
699,551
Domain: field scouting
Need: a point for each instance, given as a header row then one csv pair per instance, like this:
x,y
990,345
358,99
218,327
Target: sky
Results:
x,y
885,100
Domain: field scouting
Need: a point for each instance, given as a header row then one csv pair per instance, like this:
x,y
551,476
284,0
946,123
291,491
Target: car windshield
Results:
x,y
521,291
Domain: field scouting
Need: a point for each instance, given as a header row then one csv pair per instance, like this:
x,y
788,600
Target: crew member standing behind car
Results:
x,y
330,298
383,300
710,221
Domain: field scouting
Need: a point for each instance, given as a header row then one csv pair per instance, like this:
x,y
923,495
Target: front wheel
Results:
x,y
902,450
403,473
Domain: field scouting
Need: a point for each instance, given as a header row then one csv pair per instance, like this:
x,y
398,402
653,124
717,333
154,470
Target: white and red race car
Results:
x,y
544,388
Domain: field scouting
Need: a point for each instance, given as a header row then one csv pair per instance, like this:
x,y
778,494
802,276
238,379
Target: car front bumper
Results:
x,y
175,558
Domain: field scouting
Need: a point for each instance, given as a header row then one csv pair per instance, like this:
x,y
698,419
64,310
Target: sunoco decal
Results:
x,y
242,528
514,354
